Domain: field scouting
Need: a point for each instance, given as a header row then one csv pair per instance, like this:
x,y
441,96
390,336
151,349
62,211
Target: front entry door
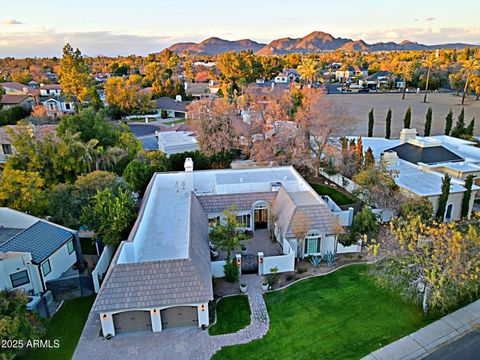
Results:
x,y
261,218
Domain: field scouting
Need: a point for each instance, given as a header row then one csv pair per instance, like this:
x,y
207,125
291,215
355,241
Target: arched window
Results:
x,y
448,214
313,242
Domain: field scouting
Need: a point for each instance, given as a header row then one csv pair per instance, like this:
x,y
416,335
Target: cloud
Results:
x,y
11,22
430,18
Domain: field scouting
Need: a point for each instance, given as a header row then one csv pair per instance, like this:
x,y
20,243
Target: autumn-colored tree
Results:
x,y
469,69
75,79
301,227
309,70
407,75
429,63
125,95
22,191
369,158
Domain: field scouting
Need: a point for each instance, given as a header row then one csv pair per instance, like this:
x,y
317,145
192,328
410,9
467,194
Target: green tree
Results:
x,y
467,195
138,174
388,124
309,70
226,235
111,215
22,191
428,122
448,122
414,207
370,123
364,222
16,323
442,201
470,128
469,69
75,79
459,128
407,119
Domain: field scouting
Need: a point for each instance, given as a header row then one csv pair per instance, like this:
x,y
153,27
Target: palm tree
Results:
x,y
428,63
309,70
469,67
406,73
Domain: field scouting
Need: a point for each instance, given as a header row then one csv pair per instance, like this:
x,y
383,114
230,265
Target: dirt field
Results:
x,y
359,105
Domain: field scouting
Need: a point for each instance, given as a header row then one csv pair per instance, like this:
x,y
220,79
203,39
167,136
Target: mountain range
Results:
x,y
317,41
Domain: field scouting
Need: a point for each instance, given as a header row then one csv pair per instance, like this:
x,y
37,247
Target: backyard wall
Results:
x,y
341,181
100,270
217,268
348,249
284,263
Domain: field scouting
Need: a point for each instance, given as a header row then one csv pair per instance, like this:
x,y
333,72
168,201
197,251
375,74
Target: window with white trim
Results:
x,y
19,278
46,268
313,243
70,247
243,220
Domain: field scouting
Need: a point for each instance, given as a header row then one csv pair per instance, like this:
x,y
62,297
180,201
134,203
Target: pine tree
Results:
x,y
388,124
344,141
407,118
428,122
467,195
442,201
369,158
448,122
470,128
359,152
370,123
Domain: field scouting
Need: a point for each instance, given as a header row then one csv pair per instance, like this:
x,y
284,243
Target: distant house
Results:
x,y
281,78
11,100
175,108
200,90
58,106
34,251
50,90
350,72
381,79
14,88
172,142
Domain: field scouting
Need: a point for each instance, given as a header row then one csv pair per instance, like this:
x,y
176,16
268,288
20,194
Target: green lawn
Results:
x,y
335,195
343,315
66,326
233,314
178,121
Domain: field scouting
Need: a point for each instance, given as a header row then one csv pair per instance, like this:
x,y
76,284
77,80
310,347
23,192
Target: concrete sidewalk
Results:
x,y
428,339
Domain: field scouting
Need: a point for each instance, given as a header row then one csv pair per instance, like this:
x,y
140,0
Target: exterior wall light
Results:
x,y
104,317
202,307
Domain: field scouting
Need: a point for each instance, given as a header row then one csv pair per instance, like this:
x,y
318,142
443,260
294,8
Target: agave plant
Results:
x,y
329,257
315,260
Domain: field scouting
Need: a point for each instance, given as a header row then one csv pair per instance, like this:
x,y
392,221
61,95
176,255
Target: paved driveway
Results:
x,y
178,344
465,348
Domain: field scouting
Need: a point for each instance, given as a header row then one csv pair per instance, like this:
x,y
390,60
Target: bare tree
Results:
x,y
301,227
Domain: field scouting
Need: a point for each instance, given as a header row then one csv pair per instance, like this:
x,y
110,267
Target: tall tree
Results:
x,y
407,75
469,69
470,128
407,119
388,124
22,191
309,70
467,195
369,158
125,95
442,201
459,128
429,63
448,122
75,79
428,122
370,123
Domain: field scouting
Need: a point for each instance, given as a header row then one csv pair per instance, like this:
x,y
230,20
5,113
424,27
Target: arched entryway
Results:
x,y
260,216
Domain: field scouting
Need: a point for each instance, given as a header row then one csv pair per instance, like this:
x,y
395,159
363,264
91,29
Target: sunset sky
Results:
x,y
112,27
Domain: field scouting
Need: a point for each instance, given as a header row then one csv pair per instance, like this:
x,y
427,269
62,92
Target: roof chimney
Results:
x,y
188,165
407,134
390,158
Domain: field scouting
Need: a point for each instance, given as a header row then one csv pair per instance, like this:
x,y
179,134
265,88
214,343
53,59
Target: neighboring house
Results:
x,y
172,142
58,106
14,88
34,251
50,90
162,276
420,163
175,108
11,100
350,72
381,79
200,90
281,78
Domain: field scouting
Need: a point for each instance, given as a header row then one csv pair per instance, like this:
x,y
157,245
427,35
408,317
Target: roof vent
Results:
x,y
275,186
188,164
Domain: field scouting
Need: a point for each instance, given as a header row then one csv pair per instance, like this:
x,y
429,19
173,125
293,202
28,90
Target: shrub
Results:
x,y
231,271
302,270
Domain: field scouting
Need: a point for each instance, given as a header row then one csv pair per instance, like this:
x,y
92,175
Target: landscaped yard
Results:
x,y
178,121
233,314
343,315
66,326
338,197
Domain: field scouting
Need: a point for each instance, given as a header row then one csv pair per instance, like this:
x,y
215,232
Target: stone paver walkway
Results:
x,y
179,344
425,341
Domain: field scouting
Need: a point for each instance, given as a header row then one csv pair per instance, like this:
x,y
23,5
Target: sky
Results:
x,y
120,27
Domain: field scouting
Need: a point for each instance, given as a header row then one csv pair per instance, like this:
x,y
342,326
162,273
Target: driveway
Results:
x,y
181,343
465,348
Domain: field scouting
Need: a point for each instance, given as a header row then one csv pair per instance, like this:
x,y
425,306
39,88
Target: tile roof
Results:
x,y
9,99
242,201
41,240
13,85
427,155
166,103
163,283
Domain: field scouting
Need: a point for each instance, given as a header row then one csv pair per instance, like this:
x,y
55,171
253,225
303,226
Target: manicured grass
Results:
x,y
66,326
343,315
233,314
174,122
338,197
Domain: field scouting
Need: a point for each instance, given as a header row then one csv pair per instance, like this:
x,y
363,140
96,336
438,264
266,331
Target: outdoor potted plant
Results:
x,y
243,287
265,285
244,250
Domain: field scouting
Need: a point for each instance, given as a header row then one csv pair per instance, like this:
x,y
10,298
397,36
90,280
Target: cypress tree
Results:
x,y
388,124
344,141
470,128
442,201
466,195
370,123
369,158
428,122
459,128
407,118
448,122
359,152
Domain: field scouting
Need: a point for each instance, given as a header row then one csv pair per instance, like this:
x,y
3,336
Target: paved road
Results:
x,y
465,348
143,129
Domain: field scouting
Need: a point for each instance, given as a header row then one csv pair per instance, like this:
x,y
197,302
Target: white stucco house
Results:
x,y
58,106
33,251
161,277
419,164
172,142
50,90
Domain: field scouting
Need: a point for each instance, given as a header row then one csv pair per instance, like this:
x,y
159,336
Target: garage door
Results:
x,y
130,321
179,316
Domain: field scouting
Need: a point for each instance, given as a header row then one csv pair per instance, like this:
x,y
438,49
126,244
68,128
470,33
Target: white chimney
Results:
x,y
390,158
188,165
407,134
178,98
